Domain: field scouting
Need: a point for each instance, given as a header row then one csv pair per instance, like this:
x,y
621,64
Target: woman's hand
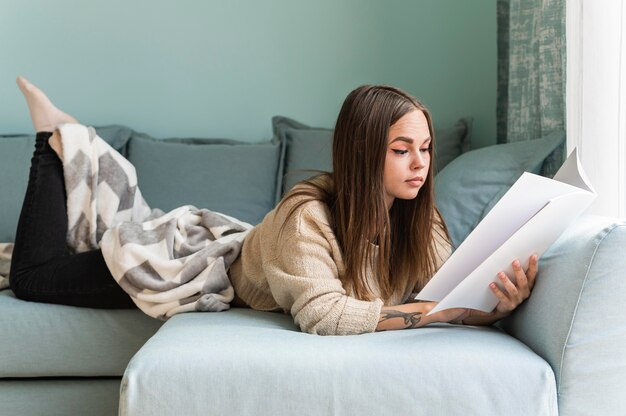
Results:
x,y
515,293
415,315
511,297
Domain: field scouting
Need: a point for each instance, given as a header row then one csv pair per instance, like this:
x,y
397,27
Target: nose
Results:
x,y
419,161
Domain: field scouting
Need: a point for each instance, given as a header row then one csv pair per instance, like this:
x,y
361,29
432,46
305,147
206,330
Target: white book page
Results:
x,y
572,173
535,208
534,237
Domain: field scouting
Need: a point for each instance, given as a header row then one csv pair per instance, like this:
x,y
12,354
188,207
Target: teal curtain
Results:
x,y
531,71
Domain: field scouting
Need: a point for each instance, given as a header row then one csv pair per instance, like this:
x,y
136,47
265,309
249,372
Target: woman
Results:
x,y
342,252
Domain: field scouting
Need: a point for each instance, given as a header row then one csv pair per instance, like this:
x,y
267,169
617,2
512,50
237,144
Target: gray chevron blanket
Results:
x,y
167,262
5,264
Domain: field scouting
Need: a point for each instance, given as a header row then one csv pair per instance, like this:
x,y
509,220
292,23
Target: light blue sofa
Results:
x,y
561,352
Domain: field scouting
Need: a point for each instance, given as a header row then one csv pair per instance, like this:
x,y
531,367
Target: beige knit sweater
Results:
x,y
299,273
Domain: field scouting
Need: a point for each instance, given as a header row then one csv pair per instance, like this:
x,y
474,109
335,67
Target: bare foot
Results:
x,y
44,114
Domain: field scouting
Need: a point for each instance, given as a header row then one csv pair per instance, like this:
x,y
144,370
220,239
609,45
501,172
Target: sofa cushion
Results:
x,y
308,152
309,149
93,397
15,154
40,339
473,183
250,362
575,316
452,141
235,178
117,136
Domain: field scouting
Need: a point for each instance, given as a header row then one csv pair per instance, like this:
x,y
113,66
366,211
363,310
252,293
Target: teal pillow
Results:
x,y
234,178
116,135
15,154
309,150
473,183
451,142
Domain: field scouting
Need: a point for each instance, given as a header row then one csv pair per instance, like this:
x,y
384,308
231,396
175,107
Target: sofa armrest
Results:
x,y
576,319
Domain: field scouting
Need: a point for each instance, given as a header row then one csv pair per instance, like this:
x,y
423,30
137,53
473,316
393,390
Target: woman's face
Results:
x,y
407,158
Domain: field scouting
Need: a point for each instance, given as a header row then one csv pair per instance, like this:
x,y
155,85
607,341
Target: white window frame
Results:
x,y
596,97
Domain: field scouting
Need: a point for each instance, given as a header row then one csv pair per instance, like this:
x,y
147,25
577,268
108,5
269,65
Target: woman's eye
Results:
x,y
400,152
426,150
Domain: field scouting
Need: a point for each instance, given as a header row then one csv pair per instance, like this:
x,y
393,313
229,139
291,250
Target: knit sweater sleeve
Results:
x,y
304,279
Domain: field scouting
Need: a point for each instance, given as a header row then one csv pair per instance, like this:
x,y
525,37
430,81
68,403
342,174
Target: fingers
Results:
x,y
533,268
515,293
505,304
520,279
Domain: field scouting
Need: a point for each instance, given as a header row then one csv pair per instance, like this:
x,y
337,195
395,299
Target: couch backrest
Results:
x,y
308,150
237,179
244,180
15,154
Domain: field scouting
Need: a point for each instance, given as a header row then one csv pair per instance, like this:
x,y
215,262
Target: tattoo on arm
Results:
x,y
411,319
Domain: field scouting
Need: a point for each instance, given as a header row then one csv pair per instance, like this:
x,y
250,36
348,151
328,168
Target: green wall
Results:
x,y
224,68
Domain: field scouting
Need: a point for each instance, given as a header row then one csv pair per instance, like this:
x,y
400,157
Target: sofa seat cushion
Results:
x,y
40,339
249,362
51,397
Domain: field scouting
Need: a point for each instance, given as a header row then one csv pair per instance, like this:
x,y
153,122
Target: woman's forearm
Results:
x,y
483,318
409,315
415,315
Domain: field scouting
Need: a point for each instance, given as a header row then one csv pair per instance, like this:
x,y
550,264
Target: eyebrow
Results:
x,y
409,140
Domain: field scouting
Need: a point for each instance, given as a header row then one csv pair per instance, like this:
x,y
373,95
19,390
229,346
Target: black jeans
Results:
x,y
42,270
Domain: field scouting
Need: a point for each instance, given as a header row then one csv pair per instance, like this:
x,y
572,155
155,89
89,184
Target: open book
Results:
x,y
526,220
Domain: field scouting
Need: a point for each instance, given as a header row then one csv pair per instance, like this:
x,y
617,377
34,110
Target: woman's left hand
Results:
x,y
510,298
515,293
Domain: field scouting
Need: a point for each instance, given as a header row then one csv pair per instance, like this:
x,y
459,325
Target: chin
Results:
x,y
408,195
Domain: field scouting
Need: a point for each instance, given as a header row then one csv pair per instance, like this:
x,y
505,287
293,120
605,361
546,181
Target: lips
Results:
x,y
415,182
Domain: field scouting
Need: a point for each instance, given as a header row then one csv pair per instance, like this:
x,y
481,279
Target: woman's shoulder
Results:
x,y
306,202
322,183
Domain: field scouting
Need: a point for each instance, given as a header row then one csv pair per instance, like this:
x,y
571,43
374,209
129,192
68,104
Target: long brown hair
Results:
x,y
407,254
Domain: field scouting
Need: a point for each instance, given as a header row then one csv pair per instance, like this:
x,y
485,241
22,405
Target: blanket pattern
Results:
x,y
167,262
5,264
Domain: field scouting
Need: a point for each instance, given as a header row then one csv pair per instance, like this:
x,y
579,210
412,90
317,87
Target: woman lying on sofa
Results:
x,y
343,252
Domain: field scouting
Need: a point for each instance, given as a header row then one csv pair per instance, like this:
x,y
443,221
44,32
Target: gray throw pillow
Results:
x,y
308,150
15,154
116,135
451,142
234,178
472,184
